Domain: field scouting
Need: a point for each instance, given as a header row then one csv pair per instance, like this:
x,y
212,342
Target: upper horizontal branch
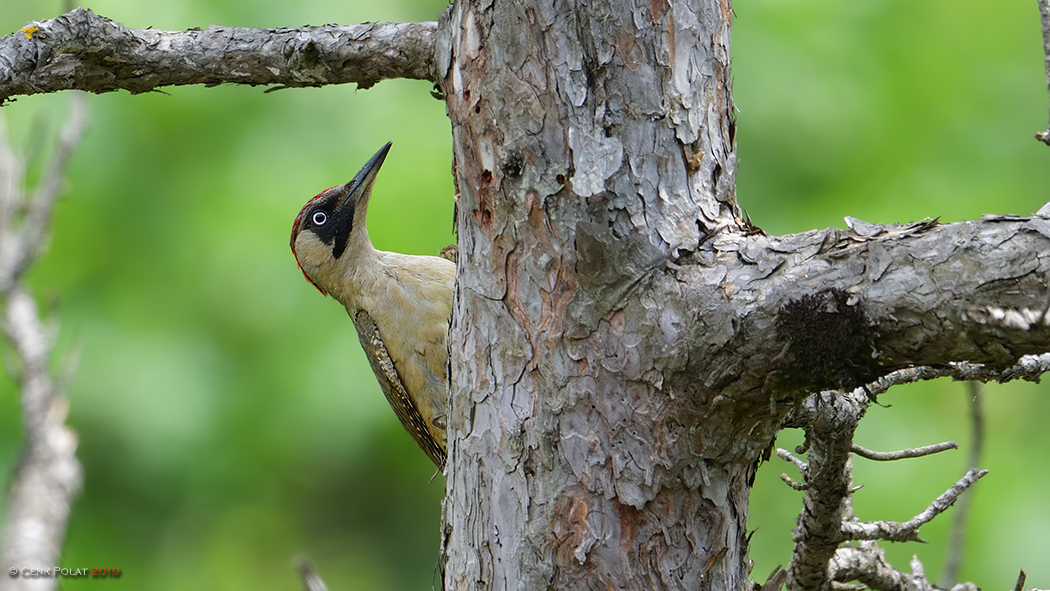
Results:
x,y
81,50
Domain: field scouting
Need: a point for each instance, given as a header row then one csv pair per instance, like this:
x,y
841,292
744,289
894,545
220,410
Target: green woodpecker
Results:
x,y
400,304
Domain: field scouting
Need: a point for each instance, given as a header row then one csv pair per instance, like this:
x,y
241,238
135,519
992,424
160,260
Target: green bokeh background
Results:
x,y
228,421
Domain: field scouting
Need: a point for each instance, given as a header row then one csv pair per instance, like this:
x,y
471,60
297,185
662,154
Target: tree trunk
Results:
x,y
594,146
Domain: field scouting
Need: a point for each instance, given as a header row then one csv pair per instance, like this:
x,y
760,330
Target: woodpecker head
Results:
x,y
331,227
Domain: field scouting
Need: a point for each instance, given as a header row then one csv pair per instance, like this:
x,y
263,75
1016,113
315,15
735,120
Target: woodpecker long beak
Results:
x,y
329,220
360,186
354,201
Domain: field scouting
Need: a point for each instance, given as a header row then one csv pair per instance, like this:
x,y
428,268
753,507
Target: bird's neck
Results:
x,y
359,269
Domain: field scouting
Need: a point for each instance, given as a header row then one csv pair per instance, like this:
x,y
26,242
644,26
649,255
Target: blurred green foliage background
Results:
x,y
228,421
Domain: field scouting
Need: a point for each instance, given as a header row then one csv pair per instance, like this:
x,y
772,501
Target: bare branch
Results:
x,y
915,452
1021,577
799,486
88,52
311,580
908,531
1028,368
1044,17
867,563
831,419
49,474
801,465
826,521
790,457
32,235
958,535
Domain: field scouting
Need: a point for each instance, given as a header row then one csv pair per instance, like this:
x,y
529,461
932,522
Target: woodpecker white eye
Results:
x,y
319,218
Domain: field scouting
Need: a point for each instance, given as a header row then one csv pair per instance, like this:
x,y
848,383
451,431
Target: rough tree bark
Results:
x,y
83,50
594,146
624,346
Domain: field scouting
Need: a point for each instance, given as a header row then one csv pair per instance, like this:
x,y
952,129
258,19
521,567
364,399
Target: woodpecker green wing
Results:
x,y
394,389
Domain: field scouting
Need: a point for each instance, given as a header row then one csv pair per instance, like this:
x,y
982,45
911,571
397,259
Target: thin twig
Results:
x,y
42,202
21,244
908,531
1029,368
801,465
311,580
958,534
914,452
799,486
1044,17
790,457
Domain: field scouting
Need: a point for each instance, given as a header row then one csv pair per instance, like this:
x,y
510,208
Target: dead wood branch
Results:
x,y
81,50
49,475
901,454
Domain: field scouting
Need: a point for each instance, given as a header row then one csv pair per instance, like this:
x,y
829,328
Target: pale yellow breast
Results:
x,y
410,300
